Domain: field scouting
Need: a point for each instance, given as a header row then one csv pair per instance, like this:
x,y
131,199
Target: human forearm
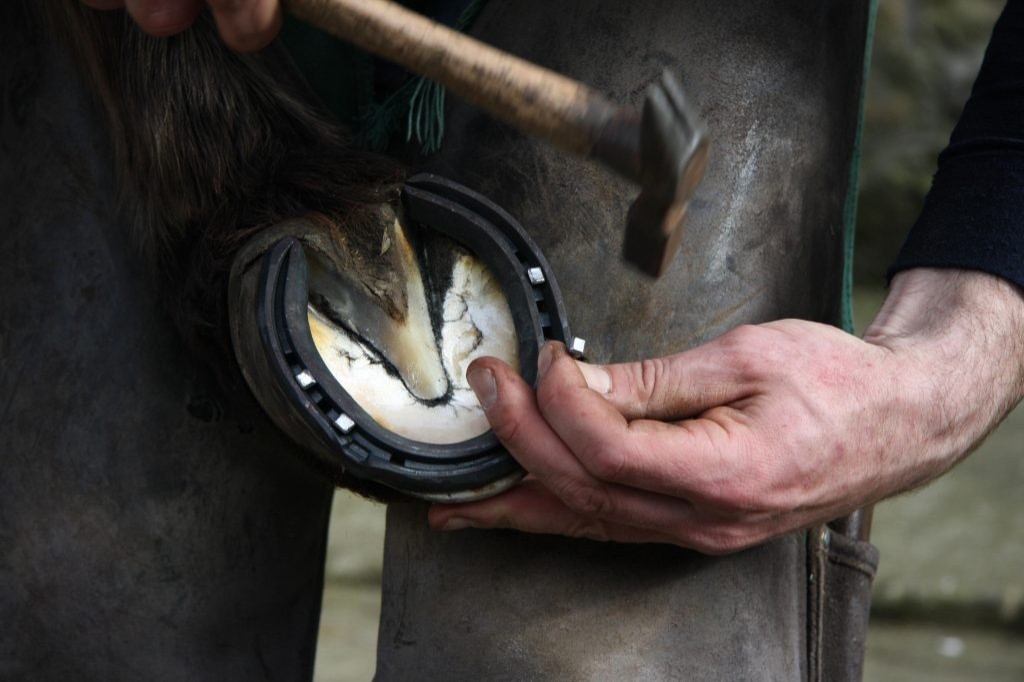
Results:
x,y
762,431
962,333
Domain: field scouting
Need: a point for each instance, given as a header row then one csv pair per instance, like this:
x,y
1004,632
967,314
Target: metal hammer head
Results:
x,y
673,154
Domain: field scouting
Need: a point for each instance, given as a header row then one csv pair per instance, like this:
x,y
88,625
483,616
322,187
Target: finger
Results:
x,y
163,17
247,25
532,508
674,387
511,408
690,459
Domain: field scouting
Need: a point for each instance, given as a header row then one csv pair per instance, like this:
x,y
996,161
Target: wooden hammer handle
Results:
x,y
534,99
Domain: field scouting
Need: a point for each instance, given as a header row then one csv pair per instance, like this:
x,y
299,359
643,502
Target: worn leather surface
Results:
x,y
778,84
842,571
144,535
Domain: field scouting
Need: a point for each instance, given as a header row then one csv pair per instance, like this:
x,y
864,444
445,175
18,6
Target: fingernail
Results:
x,y
483,385
597,378
457,523
544,360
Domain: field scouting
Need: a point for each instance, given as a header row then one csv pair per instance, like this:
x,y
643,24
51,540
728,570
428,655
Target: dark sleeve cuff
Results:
x,y
973,218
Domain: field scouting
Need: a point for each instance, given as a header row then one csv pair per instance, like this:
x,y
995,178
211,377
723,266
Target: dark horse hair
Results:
x,y
213,147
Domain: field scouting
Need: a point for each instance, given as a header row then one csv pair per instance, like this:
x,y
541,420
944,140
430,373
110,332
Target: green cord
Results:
x,y
852,187
419,100
425,119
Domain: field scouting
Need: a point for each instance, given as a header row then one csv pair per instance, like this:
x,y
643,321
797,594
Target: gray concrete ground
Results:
x,y
925,652
949,597
347,648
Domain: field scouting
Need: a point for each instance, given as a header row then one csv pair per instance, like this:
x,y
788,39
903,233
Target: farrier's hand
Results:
x,y
245,25
764,430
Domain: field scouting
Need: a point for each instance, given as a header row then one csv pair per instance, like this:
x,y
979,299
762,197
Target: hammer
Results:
x,y
663,149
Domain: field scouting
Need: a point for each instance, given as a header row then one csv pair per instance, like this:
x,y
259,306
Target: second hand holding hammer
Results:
x,y
664,149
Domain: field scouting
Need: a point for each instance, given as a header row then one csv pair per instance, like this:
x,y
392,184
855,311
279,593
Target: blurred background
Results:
x,y
949,596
